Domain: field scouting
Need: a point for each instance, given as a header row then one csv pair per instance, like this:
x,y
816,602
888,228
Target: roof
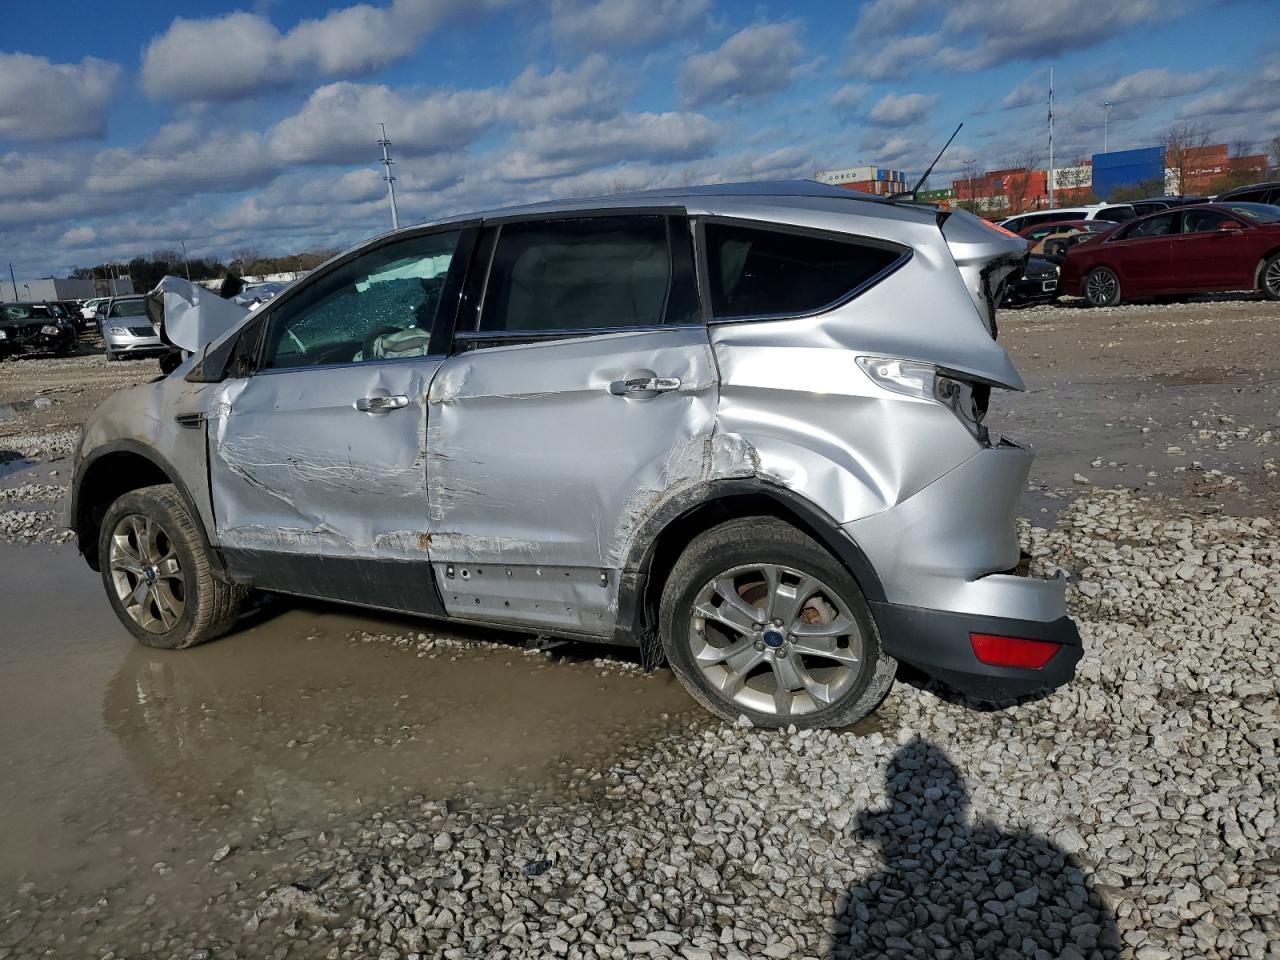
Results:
x,y
751,190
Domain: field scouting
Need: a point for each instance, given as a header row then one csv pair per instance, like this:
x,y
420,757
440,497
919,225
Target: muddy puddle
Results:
x,y
115,758
15,408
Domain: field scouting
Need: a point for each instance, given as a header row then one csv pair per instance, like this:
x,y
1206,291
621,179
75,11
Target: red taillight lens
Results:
x,y
1012,651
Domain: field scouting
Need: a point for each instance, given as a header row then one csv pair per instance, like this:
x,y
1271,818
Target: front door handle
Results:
x,y
643,385
382,403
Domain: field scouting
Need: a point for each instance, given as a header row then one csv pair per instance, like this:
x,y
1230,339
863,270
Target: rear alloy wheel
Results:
x,y
155,567
1102,287
1270,278
758,619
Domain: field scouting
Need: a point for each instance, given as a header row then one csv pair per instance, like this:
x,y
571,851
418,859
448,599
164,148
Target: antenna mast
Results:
x,y
391,180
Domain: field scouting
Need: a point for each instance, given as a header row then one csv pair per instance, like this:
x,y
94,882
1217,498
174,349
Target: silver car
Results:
x,y
126,329
739,427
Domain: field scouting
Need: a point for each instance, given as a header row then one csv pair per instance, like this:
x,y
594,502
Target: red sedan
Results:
x,y
1207,247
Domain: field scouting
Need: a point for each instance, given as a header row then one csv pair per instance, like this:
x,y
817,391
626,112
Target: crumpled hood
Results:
x,y
188,316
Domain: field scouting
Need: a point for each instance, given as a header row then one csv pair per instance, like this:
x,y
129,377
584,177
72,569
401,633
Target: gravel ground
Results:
x,y
1133,812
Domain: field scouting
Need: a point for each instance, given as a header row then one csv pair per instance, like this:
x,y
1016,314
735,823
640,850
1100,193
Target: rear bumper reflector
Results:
x,y
1000,651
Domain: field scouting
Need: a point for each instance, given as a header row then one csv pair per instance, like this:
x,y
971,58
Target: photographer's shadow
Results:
x,y
950,887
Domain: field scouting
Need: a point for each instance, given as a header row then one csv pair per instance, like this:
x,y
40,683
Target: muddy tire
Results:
x,y
757,619
1269,277
155,567
1102,287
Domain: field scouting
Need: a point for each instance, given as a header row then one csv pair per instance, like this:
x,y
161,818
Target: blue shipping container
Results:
x,y
1126,168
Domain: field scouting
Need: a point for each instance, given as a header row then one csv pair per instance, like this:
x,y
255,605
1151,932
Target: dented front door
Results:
x,y
544,457
318,459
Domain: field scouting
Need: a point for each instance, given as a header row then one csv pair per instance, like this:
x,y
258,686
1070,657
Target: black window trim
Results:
x,y
467,335
904,255
440,333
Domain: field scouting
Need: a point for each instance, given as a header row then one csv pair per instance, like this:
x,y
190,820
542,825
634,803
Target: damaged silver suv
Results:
x,y
738,426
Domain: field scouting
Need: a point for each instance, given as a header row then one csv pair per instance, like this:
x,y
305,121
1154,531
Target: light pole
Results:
x,y
1106,116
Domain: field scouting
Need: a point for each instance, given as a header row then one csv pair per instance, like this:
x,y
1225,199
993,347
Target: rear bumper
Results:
x,y
945,559
938,643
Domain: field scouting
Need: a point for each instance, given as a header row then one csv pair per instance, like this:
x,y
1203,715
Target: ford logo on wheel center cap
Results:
x,y
774,638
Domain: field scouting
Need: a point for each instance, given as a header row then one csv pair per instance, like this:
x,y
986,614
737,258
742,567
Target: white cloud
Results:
x,y
338,123
41,100
902,110
562,150
999,31
848,97
1158,83
619,24
893,59
241,54
754,62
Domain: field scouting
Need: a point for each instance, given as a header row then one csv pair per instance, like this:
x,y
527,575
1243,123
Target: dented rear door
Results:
x,y
584,390
318,459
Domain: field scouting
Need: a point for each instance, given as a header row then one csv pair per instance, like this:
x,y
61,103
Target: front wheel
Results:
x,y
1270,277
757,619
1102,287
155,566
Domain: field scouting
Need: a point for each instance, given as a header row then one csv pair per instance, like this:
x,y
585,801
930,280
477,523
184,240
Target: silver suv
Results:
x,y
739,427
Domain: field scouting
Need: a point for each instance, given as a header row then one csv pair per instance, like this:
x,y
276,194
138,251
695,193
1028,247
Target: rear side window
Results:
x,y
589,273
1249,196
756,272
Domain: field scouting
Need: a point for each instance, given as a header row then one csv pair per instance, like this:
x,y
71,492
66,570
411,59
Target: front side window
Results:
x,y
585,273
754,271
381,305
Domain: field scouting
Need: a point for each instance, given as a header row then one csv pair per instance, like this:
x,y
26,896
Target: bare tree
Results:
x,y
1240,148
1274,150
1020,187
1184,153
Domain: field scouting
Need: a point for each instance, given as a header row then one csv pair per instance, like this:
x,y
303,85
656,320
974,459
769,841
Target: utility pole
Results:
x,y
391,181
969,165
1051,136
13,281
185,266
1106,116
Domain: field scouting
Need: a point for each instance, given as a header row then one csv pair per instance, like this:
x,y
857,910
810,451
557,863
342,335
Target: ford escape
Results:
x,y
738,426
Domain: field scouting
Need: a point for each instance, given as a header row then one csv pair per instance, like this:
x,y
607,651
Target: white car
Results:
x,y
89,309
1114,212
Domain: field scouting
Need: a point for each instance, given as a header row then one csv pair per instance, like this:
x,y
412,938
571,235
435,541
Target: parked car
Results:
x,y
256,294
1156,204
1052,239
1038,284
89,309
1113,212
126,329
739,426
34,328
1268,192
1208,247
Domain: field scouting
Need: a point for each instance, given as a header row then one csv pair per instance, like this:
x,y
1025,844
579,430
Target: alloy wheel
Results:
x,y
1101,287
146,573
774,639
1272,278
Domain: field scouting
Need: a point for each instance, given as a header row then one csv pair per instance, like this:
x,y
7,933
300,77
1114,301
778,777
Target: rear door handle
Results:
x,y
643,385
382,403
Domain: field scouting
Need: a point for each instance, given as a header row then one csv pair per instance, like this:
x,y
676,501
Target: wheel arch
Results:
x,y
113,470
1262,263
664,535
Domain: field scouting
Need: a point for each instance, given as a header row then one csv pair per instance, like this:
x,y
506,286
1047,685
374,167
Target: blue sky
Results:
x,y
253,126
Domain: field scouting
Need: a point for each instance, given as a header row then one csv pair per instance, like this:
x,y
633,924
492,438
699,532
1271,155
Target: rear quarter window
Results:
x,y
756,271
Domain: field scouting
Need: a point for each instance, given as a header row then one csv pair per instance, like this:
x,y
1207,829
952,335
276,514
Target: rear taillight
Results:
x,y
998,651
